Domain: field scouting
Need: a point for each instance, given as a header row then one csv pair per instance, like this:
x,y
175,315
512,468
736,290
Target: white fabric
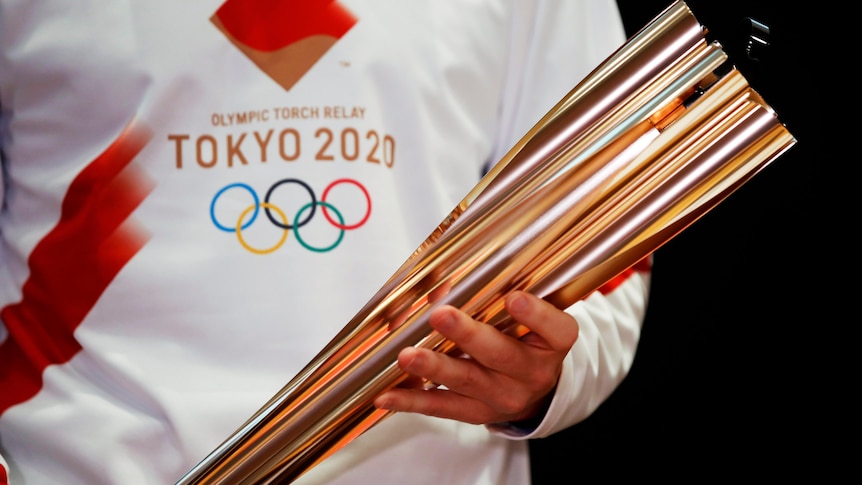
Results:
x,y
195,332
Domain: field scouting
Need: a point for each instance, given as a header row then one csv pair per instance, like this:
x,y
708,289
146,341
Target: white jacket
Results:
x,y
139,329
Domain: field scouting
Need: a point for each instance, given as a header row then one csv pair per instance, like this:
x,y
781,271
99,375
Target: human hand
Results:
x,y
504,379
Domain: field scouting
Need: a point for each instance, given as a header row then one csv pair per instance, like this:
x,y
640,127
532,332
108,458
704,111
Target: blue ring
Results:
x,y
218,194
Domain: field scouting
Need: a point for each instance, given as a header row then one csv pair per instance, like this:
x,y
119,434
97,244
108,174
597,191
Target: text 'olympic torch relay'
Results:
x,y
657,135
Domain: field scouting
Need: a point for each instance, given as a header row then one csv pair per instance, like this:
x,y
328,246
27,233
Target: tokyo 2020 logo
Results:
x,y
285,222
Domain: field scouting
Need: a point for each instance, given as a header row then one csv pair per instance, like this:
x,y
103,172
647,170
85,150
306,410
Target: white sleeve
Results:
x,y
610,325
554,48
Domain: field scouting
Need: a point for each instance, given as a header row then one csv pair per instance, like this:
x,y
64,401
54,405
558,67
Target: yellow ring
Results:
x,y
255,250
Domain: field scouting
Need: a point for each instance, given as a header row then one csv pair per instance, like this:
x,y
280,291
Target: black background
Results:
x,y
734,373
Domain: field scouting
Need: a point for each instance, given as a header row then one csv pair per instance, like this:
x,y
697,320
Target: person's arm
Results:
x,y
547,380
609,324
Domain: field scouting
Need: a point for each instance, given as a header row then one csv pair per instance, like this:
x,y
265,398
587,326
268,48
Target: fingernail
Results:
x,y
450,320
381,403
517,303
445,322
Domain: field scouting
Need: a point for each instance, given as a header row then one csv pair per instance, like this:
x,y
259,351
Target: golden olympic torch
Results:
x,y
657,135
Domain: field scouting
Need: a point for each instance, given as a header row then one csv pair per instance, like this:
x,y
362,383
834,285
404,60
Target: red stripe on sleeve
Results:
x,y
71,267
643,265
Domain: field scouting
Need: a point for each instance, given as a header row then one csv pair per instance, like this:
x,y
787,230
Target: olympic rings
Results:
x,y
283,222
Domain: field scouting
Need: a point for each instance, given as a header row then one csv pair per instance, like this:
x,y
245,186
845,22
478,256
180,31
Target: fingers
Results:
x,y
556,327
472,391
439,403
462,375
469,392
500,378
483,343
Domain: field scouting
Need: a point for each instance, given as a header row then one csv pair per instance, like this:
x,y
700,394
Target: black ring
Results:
x,y
298,223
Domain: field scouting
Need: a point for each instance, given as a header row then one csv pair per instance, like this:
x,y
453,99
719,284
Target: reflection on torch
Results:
x,y
654,138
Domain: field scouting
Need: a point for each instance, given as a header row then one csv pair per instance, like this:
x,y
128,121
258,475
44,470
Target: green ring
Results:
x,y
312,248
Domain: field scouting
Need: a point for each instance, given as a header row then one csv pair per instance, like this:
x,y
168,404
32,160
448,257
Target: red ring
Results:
x,y
326,211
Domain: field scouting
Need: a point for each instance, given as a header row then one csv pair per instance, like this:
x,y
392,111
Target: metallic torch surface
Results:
x,y
648,143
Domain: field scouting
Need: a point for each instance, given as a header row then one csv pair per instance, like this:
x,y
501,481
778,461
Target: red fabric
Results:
x,y
269,25
71,267
643,265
